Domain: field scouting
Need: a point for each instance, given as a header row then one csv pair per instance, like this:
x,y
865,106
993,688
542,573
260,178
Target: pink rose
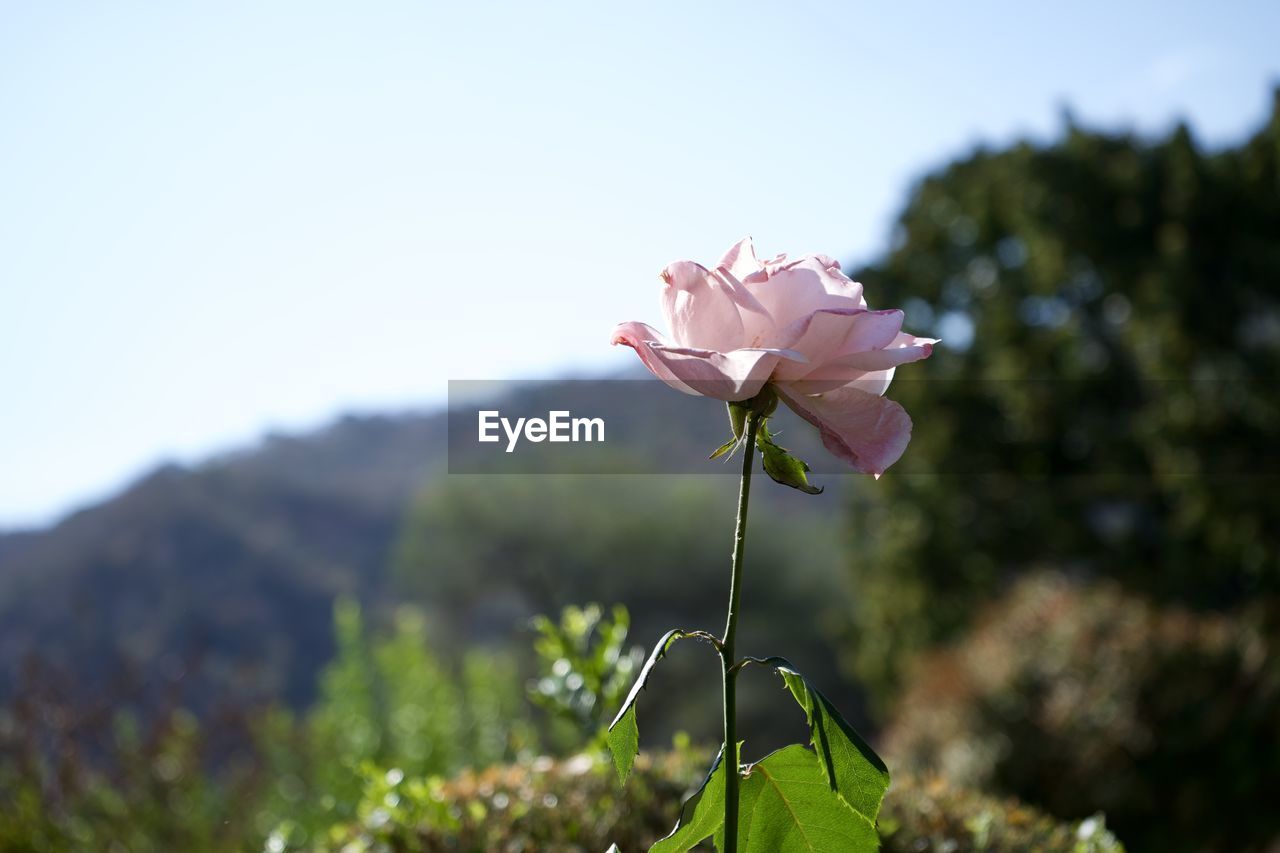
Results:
x,y
801,326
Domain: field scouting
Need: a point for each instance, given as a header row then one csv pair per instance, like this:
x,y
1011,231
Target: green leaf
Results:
x,y
738,423
728,447
786,469
624,735
701,815
624,742
738,418
781,466
784,807
849,764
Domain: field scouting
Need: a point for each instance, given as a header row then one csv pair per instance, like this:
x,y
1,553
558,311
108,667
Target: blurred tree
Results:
x,y
587,669
489,552
1105,396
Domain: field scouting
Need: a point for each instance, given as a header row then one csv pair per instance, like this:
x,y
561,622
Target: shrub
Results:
x,y
1085,699
386,700
576,805
75,780
929,815
542,805
586,670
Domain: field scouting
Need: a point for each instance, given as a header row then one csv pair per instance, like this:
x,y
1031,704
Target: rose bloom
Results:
x,y
800,326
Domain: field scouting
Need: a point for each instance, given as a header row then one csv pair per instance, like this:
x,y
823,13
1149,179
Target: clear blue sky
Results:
x,y
218,219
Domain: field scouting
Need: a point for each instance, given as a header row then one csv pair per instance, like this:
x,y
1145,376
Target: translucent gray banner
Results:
x,y
1026,428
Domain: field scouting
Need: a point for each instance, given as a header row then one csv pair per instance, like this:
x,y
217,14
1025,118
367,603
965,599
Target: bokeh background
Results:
x,y
244,605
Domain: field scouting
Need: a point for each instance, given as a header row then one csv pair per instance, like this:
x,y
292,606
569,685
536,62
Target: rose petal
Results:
x,y
781,263
797,288
872,330
700,308
735,375
867,431
904,349
872,381
740,261
824,334
876,382
639,337
750,311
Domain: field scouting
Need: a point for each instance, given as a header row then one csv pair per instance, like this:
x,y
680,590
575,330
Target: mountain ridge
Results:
x,y
231,565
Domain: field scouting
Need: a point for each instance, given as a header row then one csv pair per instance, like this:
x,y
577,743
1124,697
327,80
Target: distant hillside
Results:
x,y
232,564
217,581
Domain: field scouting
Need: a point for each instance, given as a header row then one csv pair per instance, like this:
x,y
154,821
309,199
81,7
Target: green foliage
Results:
x,y
537,804
154,793
586,666
391,702
929,815
624,733
778,462
784,802
781,466
226,572
623,739
784,806
849,764
785,809
392,716
575,804
390,808
781,807
1104,395
1112,414
623,736
728,447
701,816
1086,699
491,551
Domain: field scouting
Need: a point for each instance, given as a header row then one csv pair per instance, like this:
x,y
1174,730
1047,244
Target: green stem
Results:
x,y
730,672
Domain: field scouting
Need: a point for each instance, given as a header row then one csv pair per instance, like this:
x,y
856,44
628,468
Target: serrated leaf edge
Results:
x,y
774,782
818,737
689,807
623,764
